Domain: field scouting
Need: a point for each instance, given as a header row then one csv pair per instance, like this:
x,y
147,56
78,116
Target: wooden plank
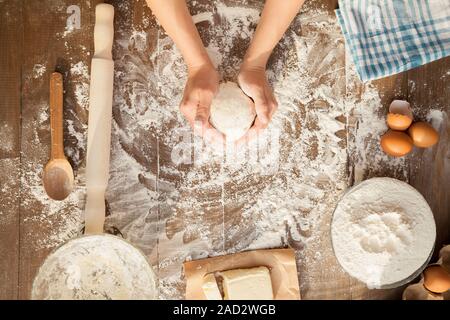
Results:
x,y
50,46
429,90
320,274
191,215
133,192
10,104
241,212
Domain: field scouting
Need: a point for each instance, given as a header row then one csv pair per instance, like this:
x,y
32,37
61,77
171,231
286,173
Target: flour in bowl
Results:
x,y
383,232
96,267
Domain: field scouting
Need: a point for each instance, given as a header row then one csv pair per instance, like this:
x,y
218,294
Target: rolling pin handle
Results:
x,y
104,31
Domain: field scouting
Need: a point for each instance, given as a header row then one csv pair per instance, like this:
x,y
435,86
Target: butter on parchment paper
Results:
x,y
202,276
247,284
210,288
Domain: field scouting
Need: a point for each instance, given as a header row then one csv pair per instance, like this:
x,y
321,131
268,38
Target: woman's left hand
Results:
x,y
253,81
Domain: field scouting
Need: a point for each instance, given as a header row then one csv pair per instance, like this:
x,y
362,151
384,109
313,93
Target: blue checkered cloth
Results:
x,y
386,37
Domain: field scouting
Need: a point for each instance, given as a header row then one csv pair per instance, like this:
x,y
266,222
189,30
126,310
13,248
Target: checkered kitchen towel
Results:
x,y
386,37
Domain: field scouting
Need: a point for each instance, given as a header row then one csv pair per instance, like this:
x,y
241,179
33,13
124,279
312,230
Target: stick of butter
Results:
x,y
210,288
247,284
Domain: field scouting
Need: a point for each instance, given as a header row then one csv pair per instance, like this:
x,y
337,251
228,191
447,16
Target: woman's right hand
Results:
x,y
201,87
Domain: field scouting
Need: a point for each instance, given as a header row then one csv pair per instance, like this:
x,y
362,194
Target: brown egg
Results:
x,y
436,279
398,121
423,134
400,115
396,143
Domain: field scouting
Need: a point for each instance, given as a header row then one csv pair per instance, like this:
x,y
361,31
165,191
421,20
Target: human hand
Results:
x,y
253,81
201,87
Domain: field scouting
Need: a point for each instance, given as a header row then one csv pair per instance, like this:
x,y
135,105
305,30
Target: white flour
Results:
x,y
383,232
38,71
6,132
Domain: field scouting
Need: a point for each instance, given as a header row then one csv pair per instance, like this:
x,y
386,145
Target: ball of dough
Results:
x,y
232,112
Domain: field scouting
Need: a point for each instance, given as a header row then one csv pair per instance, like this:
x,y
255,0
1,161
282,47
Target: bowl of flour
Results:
x,y
95,267
383,233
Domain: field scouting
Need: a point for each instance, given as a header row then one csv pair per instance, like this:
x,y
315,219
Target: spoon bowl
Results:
x,y
58,179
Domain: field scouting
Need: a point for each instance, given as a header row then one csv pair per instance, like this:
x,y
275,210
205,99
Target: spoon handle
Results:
x,y
56,116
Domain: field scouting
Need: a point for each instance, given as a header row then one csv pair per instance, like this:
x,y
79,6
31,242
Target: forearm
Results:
x,y
174,17
276,17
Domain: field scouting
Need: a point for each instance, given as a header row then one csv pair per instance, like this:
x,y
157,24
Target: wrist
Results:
x,y
255,61
202,63
253,66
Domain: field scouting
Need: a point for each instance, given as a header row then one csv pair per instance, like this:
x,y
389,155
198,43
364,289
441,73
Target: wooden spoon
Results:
x,y
58,173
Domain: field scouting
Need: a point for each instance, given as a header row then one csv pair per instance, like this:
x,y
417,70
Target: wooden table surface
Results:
x,y
32,46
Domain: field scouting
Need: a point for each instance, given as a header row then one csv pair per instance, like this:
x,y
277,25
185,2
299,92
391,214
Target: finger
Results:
x,y
188,109
202,113
260,100
244,87
212,136
204,98
250,135
262,109
244,140
272,102
201,119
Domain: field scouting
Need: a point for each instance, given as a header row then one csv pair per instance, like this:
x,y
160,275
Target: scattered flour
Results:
x,y
11,198
435,117
64,219
383,232
6,137
76,127
287,205
290,204
367,122
39,70
80,69
82,94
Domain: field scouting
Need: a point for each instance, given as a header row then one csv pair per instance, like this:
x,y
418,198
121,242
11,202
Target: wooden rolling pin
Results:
x,y
100,117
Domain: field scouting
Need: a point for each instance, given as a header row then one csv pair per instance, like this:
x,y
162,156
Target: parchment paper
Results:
x,y
281,262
